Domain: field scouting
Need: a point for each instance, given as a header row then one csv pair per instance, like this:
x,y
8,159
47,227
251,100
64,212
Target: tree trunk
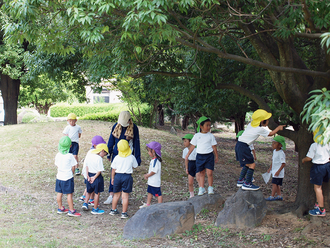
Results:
x,y
10,90
239,123
185,122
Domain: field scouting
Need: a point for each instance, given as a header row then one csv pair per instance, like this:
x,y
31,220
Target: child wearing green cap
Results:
x,y
65,163
190,165
260,120
207,154
277,168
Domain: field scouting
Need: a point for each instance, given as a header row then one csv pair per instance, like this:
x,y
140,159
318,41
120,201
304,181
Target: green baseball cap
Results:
x,y
188,136
64,145
280,139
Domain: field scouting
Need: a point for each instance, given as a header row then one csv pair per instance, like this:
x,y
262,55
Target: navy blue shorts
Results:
x,y
64,187
192,168
320,173
204,161
97,186
243,153
122,182
154,191
277,181
74,149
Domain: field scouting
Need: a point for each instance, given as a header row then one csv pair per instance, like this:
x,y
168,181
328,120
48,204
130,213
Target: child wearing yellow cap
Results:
x,y
207,154
65,163
121,177
277,168
319,155
93,167
260,120
190,165
73,131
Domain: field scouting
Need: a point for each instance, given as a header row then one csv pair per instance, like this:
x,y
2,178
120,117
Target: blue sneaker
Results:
x,y
278,198
249,186
62,210
240,183
114,212
97,211
317,212
271,198
201,191
85,206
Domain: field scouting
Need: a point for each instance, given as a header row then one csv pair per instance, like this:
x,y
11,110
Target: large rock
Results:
x,y
243,209
209,202
160,220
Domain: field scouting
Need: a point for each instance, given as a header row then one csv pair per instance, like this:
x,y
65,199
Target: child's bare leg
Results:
x,y
70,202
274,189
197,177
251,166
115,199
124,197
209,177
88,195
190,183
59,200
160,199
201,179
85,192
76,157
92,196
278,190
149,198
319,195
96,200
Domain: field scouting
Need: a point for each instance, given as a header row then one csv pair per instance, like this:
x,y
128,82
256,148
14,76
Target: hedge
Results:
x,y
62,110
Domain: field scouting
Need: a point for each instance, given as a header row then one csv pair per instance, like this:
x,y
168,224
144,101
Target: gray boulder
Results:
x,y
160,220
209,202
243,209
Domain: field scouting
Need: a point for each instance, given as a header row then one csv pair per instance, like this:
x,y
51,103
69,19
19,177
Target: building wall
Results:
x,y
109,96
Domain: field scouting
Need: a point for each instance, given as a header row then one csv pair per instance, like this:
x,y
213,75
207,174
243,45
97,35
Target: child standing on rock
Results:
x,y
260,120
277,168
154,174
207,154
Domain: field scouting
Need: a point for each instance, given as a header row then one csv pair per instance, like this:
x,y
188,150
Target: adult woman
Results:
x,y
123,129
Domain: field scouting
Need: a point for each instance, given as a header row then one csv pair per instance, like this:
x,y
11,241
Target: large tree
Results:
x,y
139,37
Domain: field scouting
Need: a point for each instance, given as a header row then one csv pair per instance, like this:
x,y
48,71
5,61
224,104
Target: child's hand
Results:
x,y
216,160
280,127
145,176
255,158
187,171
277,173
91,179
268,170
112,181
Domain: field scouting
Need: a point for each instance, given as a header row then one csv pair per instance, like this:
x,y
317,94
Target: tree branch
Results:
x,y
163,73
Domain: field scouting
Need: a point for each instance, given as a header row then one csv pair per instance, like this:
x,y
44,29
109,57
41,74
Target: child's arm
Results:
x,y
270,168
191,148
92,179
149,175
254,154
87,173
279,128
279,170
215,154
113,172
306,159
79,135
186,164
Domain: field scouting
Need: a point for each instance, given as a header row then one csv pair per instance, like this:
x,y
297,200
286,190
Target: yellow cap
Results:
x,y
72,116
123,149
258,116
99,148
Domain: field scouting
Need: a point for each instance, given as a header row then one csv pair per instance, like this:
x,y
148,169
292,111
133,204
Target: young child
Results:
x,y
260,120
191,165
96,140
319,155
93,172
277,168
121,177
65,163
74,132
154,174
207,154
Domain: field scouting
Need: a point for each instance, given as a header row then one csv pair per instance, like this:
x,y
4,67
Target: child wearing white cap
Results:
x,y
121,177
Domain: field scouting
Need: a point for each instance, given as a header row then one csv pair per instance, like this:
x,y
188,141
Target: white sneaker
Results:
x,y
144,205
201,191
210,190
108,201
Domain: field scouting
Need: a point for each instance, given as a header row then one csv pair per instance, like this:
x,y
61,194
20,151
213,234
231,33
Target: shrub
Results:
x,y
28,117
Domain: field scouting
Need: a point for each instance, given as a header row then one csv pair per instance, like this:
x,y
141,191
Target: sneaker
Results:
x,y
210,190
253,180
278,198
77,172
91,202
74,213
114,212
85,206
201,191
240,183
124,216
249,186
108,201
271,198
144,205
97,211
316,205
82,198
317,212
62,211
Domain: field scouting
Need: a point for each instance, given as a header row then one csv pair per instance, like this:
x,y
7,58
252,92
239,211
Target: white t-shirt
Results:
x,y
73,132
318,153
192,155
278,160
204,142
64,163
154,180
250,134
251,147
94,163
124,165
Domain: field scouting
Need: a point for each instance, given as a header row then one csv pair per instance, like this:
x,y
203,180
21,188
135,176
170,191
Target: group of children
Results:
x,y
200,155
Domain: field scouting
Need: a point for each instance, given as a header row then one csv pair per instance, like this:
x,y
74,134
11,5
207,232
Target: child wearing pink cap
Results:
x,y
154,174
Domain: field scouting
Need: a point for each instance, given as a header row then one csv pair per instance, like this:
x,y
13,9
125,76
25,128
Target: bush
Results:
x,y
28,117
